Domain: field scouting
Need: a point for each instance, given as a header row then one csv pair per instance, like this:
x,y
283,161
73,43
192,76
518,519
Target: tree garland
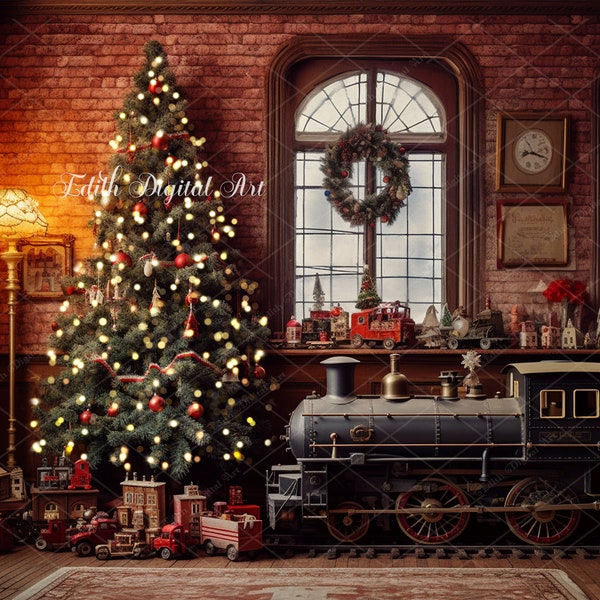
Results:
x,y
369,142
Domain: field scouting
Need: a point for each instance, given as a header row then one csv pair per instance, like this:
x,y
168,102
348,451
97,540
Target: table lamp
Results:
x,y
19,218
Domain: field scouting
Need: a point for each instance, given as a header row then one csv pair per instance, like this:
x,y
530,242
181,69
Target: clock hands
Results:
x,y
531,152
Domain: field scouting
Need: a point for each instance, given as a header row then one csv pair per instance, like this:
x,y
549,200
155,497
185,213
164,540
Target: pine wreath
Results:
x,y
369,142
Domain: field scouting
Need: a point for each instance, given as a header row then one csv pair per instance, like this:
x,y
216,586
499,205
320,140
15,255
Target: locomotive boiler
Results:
x,y
432,462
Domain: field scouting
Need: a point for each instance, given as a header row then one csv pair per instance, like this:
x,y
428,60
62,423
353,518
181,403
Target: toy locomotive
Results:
x,y
433,462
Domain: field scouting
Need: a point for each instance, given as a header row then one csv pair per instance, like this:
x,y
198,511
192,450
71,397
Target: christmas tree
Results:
x,y
368,296
159,338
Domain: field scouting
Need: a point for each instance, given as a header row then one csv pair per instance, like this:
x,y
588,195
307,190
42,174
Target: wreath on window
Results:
x,y
369,142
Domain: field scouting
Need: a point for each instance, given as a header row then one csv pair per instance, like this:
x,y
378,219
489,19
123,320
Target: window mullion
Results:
x,y
370,237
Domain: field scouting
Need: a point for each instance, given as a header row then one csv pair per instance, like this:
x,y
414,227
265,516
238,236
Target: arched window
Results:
x,y
406,257
428,103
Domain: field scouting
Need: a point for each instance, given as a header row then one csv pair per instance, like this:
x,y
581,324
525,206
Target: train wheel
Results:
x,y
348,527
357,340
545,527
452,343
389,343
431,527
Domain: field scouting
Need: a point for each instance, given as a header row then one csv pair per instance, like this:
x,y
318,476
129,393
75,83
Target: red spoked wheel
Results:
x,y
433,527
541,527
345,526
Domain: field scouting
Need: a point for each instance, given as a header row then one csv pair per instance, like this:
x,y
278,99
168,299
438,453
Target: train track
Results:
x,y
282,548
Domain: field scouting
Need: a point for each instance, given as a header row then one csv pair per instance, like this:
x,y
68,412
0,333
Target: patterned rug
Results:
x,y
122,583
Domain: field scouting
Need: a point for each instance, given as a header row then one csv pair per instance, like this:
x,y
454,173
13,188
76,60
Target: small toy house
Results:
x,y
528,337
551,337
143,505
571,337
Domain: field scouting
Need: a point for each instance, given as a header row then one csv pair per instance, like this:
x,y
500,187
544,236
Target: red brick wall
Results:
x,y
63,78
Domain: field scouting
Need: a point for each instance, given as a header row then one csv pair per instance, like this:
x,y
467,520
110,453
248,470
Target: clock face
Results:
x,y
533,151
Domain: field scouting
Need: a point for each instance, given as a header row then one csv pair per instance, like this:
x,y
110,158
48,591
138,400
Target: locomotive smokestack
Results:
x,y
340,378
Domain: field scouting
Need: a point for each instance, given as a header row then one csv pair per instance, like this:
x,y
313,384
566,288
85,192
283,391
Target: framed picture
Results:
x,y
532,234
531,152
46,260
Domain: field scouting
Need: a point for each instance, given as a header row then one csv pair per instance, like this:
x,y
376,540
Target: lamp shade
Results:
x,y
20,216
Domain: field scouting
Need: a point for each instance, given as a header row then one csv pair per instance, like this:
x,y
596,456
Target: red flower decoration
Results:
x,y
573,292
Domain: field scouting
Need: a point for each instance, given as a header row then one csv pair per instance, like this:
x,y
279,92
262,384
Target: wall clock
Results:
x,y
531,152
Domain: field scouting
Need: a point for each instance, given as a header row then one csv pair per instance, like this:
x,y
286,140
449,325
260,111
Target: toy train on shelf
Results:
x,y
432,463
389,324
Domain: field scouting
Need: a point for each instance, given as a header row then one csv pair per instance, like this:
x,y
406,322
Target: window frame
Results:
x,y
316,74
279,264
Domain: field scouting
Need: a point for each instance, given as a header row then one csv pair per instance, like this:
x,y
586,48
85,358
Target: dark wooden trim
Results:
x,y
308,7
595,191
281,284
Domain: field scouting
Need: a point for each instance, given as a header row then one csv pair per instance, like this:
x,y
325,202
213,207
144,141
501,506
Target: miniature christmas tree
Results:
x,y
446,319
368,296
158,340
318,294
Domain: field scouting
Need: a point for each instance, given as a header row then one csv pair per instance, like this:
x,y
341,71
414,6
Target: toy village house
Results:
x,y
63,491
143,506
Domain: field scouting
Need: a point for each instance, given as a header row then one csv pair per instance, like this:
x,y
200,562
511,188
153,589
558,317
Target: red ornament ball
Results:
x,y
259,372
85,417
140,208
384,218
55,326
156,403
124,258
160,141
344,173
154,87
113,410
386,179
183,260
191,298
70,290
195,410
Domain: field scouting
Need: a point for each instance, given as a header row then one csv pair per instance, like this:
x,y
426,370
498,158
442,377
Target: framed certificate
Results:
x,y
532,234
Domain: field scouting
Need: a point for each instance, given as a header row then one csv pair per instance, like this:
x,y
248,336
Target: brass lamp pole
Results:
x,y
12,257
19,218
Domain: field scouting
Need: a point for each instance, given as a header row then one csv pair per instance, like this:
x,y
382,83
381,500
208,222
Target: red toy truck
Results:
x,y
174,541
99,531
389,324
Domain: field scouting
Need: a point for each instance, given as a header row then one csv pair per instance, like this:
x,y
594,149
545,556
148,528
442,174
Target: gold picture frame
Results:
x,y
46,260
532,234
531,152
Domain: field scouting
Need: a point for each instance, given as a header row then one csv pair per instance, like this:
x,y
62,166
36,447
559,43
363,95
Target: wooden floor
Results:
x,y
24,566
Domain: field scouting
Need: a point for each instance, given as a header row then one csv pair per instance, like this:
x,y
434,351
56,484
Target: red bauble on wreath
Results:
x,y
113,410
156,403
195,410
